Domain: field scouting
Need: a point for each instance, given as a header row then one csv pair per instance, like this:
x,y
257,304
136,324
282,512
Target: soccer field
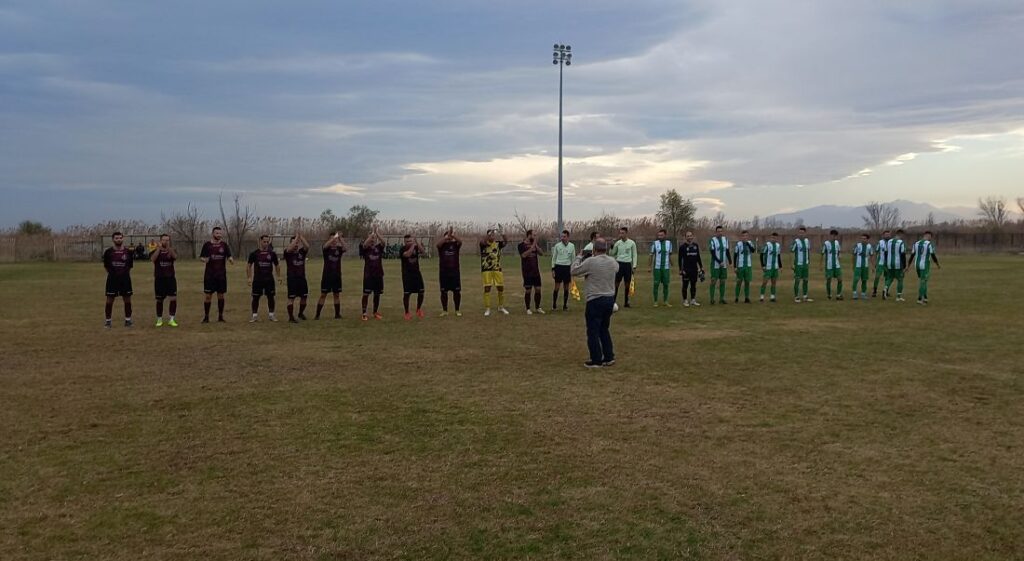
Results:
x,y
831,430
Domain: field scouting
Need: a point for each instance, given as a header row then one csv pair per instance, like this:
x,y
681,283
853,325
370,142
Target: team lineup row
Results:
x,y
889,258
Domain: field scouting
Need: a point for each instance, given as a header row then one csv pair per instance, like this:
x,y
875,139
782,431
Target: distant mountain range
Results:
x,y
852,216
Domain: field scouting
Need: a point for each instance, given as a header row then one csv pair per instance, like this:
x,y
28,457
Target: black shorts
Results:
x,y
412,283
165,286
531,280
119,285
330,284
263,287
373,285
298,287
211,285
563,274
625,272
451,281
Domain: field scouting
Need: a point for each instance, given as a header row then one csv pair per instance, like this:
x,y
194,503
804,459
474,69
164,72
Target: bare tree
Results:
x,y
881,216
187,225
719,218
993,212
1020,206
239,224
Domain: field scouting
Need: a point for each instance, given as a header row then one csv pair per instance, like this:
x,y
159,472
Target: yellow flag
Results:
x,y
574,291
632,287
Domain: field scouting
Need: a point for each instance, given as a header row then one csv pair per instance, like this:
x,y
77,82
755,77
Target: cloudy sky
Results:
x,y
448,108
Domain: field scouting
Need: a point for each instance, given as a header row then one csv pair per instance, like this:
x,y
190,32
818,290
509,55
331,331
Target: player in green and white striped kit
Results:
x,y
743,259
923,254
895,265
660,264
771,264
830,253
862,253
721,258
801,248
880,260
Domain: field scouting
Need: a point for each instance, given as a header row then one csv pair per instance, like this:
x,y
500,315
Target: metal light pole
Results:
x,y
562,57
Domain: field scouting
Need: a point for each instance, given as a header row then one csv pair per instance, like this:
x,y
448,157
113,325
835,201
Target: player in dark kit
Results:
x,y
448,250
330,280
165,285
295,263
263,264
215,253
412,278
118,261
530,253
372,252
691,268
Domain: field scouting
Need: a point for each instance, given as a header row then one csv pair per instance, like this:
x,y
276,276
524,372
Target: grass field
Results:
x,y
845,430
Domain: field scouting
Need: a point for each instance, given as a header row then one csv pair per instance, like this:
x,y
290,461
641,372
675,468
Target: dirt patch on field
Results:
x,y
686,334
808,323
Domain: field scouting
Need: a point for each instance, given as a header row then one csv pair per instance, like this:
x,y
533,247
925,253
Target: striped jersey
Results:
x,y
923,251
883,247
771,254
662,251
743,255
719,246
831,249
862,253
801,249
895,254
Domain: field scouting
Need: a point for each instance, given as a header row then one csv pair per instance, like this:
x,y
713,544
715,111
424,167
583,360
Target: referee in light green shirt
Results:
x,y
624,251
562,255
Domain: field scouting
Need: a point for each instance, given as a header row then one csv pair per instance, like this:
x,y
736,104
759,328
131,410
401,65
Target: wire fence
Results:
x,y
65,248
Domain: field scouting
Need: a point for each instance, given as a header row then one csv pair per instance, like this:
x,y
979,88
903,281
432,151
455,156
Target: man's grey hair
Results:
x,y
600,245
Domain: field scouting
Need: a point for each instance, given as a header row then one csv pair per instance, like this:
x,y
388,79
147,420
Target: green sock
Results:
x,y
654,289
711,289
738,284
664,289
721,291
796,288
899,286
828,287
773,289
839,287
762,290
805,287
746,290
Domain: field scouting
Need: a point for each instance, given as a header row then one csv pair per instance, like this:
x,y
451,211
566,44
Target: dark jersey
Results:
x,y
530,263
217,255
295,263
332,261
449,256
689,257
163,267
263,263
373,264
411,264
118,261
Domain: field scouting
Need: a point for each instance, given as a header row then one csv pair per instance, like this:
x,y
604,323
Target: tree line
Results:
x,y
676,214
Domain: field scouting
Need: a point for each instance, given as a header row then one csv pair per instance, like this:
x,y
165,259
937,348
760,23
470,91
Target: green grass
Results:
x,y
826,431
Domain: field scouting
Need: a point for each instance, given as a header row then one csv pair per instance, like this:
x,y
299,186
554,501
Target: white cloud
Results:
x,y
340,189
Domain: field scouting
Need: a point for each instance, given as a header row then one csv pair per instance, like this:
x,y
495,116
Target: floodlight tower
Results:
x,y
562,56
